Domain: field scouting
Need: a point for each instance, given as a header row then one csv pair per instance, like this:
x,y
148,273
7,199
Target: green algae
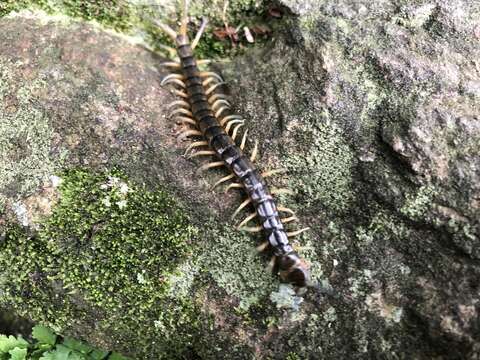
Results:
x,y
109,247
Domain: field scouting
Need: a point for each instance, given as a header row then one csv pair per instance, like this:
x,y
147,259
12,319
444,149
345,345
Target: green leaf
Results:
x,y
18,354
11,342
60,353
44,335
98,355
77,345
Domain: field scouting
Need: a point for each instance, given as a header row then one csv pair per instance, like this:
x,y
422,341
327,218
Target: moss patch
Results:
x,y
110,247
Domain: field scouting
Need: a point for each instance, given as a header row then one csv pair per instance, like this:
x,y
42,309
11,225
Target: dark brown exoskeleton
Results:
x,y
205,114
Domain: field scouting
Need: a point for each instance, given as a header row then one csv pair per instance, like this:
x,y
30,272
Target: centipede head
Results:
x,y
293,270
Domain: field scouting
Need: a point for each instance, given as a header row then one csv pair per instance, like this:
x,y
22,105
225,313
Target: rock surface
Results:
x,y
374,111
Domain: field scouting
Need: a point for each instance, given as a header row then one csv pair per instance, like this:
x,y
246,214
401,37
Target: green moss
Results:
x,y
237,268
324,174
110,247
25,137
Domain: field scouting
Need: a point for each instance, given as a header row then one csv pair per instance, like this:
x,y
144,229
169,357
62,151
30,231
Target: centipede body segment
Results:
x,y
204,113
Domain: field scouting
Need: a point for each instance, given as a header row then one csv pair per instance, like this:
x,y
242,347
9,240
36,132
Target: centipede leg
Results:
x,y
242,205
297,232
246,220
233,186
254,229
263,246
194,145
211,165
279,191
273,172
226,178
187,133
172,76
202,153
244,140
235,131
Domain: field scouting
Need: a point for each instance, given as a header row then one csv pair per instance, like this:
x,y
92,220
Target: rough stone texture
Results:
x,y
373,109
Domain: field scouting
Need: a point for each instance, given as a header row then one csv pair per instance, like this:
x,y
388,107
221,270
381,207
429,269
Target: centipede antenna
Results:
x,y
171,51
225,178
297,232
246,220
194,145
184,23
242,205
199,33
167,29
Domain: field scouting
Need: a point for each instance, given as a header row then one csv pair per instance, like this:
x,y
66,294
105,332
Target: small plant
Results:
x,y
46,345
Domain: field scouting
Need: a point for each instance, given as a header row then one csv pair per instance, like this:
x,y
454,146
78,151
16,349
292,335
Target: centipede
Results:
x,y
206,119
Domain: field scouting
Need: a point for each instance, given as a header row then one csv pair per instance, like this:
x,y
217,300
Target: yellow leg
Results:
x,y
263,246
273,172
233,186
212,99
176,82
182,111
271,264
187,133
242,205
289,219
244,140
179,103
254,229
226,178
204,62
235,131
180,93
186,120
194,145
211,165
254,152
220,102
208,74
208,81
173,76
171,64
213,87
229,118
297,232
246,220
285,209
277,191
219,111
203,152
229,125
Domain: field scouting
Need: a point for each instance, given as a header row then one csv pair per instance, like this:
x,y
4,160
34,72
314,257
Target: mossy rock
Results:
x,y
371,109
